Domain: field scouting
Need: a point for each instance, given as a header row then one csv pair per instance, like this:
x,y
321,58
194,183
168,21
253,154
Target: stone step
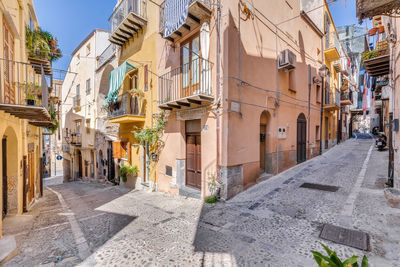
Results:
x,y
8,249
263,177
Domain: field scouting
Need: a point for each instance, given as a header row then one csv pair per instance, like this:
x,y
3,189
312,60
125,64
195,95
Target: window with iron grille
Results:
x,y
88,86
146,81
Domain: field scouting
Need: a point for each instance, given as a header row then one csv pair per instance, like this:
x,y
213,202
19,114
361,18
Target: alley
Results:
x,y
274,223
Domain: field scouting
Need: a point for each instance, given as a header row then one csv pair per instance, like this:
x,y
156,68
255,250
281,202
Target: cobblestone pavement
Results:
x,y
274,223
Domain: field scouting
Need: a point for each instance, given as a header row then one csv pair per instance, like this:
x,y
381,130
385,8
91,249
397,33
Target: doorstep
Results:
x,y
8,248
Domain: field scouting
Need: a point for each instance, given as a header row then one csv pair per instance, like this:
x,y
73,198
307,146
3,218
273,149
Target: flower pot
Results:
x,y
130,181
30,102
55,100
372,31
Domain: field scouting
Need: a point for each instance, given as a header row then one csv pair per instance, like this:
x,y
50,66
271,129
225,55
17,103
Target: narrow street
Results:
x,y
274,223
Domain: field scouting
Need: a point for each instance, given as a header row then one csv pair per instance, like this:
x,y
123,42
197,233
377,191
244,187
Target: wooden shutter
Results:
x,y
116,150
8,52
129,150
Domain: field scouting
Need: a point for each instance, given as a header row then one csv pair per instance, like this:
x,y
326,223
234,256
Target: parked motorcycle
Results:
x,y
380,141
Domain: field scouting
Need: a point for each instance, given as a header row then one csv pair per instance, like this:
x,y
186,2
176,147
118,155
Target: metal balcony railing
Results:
x,y
346,96
138,7
332,41
193,78
332,97
125,105
76,139
207,3
77,101
21,85
108,53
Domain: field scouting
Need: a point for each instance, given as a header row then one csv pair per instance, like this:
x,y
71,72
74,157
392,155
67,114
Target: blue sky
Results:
x,y
70,21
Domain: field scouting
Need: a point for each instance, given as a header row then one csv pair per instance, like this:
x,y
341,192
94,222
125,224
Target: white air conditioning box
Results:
x,y
287,60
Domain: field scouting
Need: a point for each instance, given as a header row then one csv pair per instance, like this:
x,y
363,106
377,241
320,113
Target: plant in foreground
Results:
x,y
332,260
126,170
211,199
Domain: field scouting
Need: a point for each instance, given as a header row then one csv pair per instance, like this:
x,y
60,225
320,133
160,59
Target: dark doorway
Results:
x,y
79,164
25,183
5,189
301,138
326,132
193,153
263,131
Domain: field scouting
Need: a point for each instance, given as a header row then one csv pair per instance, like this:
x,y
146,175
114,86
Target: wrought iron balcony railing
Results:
x,y
77,101
108,53
332,97
23,92
126,104
205,3
346,97
189,83
76,139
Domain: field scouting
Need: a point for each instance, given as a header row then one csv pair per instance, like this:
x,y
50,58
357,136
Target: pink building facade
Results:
x,y
241,91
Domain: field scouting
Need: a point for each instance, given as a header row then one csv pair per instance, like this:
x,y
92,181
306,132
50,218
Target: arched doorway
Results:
x,y
265,162
10,172
301,138
79,162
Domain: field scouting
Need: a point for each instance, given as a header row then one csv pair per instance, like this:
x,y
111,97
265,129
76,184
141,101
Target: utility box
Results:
x,y
395,125
282,131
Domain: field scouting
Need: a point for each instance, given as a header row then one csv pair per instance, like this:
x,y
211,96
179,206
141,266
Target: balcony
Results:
x,y
126,109
107,54
187,85
377,62
198,9
346,98
332,47
332,100
370,8
24,94
128,18
76,139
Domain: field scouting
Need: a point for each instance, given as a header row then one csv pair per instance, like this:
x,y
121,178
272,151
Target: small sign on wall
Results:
x,y
282,131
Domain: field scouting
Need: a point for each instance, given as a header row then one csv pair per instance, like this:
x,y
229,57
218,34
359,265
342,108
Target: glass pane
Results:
x,y
185,65
195,60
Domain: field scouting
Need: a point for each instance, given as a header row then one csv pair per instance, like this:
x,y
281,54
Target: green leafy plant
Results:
x,y
126,170
369,55
211,200
213,183
332,260
41,44
54,120
152,136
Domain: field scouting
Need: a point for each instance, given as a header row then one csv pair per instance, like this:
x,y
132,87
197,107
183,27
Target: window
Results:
x,y
317,136
31,25
146,81
78,89
134,81
292,81
318,93
88,49
78,126
88,86
88,126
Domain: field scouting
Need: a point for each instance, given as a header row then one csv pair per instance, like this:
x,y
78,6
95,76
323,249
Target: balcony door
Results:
x,y
190,60
8,52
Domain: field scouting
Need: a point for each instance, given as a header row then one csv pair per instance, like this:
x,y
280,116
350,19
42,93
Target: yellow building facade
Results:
x,y
331,92
23,110
134,30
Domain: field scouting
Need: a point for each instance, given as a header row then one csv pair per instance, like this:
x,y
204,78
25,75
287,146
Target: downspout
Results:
x,y
322,98
240,61
309,108
277,98
218,88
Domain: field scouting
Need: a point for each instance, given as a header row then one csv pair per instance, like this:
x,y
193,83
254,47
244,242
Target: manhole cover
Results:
x,y
329,188
348,237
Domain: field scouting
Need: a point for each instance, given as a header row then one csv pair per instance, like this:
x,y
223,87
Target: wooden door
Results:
x,y
301,138
263,130
79,164
31,179
25,183
326,132
5,187
8,52
193,160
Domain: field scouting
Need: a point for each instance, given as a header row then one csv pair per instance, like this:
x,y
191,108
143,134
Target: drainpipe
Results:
x,y
218,87
309,108
277,98
240,61
322,98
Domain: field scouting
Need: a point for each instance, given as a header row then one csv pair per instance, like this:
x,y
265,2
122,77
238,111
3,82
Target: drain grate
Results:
x,y
323,187
348,237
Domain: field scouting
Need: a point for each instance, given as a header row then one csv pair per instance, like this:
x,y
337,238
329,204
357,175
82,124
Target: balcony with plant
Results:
x,y
377,61
42,48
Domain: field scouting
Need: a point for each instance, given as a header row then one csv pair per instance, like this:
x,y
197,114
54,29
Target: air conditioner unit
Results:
x,y
287,60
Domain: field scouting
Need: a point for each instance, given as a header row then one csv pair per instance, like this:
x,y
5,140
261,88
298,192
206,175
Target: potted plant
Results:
x,y
30,99
128,175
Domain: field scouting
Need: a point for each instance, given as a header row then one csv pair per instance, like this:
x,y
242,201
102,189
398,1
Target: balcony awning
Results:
x,y
116,79
175,13
371,8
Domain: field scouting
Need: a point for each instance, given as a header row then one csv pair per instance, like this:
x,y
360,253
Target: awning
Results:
x,y
175,13
116,79
370,8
